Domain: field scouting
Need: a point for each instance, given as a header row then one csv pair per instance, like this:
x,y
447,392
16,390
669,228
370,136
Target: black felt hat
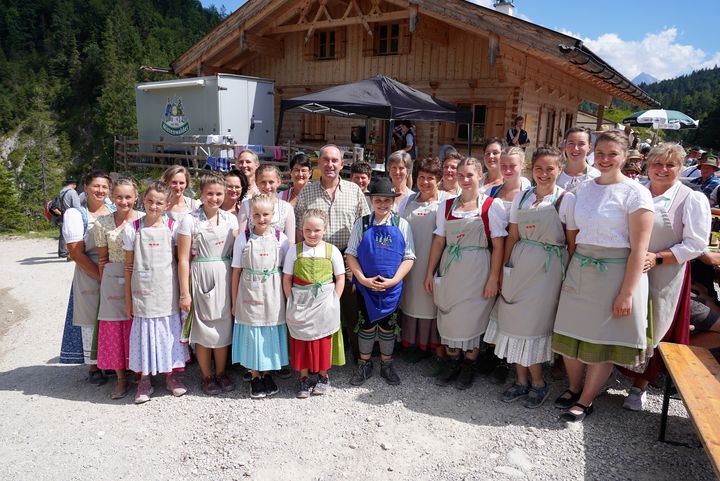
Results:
x,y
382,187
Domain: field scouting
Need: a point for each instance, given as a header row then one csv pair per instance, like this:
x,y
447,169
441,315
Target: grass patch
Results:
x,y
49,233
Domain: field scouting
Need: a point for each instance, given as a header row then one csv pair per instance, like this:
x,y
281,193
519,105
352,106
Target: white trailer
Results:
x,y
194,109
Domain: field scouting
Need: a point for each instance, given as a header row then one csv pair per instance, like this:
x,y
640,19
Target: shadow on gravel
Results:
x,y
32,261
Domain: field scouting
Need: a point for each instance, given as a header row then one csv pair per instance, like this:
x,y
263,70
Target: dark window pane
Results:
x,y
462,132
479,114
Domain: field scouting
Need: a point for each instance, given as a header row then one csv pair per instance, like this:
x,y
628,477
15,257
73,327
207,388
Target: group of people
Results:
x,y
563,266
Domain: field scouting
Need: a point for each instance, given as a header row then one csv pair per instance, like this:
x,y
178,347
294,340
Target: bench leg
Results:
x,y
665,407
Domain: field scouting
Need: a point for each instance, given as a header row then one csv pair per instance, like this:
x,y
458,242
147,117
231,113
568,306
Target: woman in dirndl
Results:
x,y
82,313
602,313
177,178
540,233
680,231
468,275
418,317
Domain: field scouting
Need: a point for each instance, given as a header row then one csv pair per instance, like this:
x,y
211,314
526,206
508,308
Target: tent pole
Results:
x,y
280,122
469,140
388,139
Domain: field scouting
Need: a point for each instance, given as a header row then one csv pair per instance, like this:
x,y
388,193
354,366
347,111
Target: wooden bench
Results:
x,y
696,375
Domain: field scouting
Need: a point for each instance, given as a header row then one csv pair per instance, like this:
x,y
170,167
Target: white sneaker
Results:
x,y
635,400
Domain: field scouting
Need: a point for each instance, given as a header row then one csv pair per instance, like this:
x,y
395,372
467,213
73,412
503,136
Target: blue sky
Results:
x,y
663,38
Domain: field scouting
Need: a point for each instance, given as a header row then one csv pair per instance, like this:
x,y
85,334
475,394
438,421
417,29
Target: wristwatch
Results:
x,y
658,259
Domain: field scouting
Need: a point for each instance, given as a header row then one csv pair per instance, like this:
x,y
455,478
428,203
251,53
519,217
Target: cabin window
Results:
x,y
477,128
388,39
325,45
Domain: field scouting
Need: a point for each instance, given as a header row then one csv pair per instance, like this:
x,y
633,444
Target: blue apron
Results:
x,y
380,252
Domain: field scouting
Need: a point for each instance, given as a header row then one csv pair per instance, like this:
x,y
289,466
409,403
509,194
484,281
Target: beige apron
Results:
x,y
592,283
154,283
112,293
86,290
313,311
421,216
666,279
260,299
533,276
462,311
210,273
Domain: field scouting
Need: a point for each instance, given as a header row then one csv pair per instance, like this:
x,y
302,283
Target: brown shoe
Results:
x,y
226,384
210,386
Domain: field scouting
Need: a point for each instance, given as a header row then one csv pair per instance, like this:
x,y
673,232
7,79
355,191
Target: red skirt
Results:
x,y
314,356
678,333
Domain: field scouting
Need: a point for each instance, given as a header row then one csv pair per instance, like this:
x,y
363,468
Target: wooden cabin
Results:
x,y
496,65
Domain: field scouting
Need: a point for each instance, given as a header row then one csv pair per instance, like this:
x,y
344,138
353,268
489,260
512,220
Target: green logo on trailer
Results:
x,y
174,120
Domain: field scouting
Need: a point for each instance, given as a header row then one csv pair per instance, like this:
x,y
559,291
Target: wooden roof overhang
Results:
x,y
257,28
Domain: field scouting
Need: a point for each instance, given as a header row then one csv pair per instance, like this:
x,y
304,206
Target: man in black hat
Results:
x,y
380,254
67,198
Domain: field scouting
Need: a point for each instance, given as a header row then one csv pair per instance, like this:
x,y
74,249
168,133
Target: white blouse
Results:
x,y
566,210
601,211
496,215
241,243
570,183
696,222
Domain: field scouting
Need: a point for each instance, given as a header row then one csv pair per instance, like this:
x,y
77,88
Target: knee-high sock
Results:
x,y
366,340
387,342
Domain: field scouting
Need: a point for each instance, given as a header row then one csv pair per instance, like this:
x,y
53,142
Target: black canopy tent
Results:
x,y
378,98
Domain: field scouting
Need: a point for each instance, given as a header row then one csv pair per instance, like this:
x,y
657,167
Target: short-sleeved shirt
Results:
x,y
283,217
69,198
566,211
349,205
404,227
129,233
497,216
107,234
522,138
601,211
318,251
241,243
190,224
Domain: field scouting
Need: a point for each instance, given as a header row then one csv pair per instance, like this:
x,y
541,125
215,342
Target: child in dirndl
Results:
x,y
313,281
205,241
151,296
380,254
113,322
259,338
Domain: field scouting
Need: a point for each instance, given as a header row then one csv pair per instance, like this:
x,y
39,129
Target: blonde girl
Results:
x,y
541,231
512,162
113,322
260,339
313,282
205,241
268,181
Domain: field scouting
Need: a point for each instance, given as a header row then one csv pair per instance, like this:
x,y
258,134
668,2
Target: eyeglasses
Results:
x,y
233,187
300,171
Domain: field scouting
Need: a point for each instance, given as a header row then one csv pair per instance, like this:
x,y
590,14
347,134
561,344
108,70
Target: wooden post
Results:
x,y
600,117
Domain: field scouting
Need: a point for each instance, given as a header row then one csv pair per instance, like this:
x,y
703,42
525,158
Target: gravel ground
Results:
x,y
56,426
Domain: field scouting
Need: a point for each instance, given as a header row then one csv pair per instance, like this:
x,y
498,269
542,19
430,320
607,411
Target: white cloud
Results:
x,y
658,53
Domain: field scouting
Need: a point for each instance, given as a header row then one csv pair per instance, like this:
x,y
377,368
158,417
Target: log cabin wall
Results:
x,y
449,50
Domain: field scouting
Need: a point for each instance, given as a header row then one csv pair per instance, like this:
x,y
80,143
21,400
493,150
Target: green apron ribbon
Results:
x,y
455,251
265,273
600,264
315,286
550,249
212,259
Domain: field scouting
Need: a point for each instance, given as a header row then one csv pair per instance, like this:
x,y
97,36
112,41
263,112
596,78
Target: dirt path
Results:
x,y
56,426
